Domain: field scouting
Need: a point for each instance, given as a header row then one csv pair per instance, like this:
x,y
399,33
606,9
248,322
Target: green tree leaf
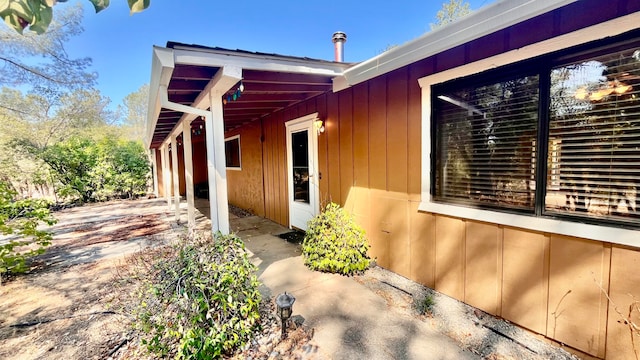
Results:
x,y
451,11
100,5
37,14
138,5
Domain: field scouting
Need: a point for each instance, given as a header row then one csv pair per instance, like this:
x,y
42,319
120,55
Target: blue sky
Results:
x,y
120,44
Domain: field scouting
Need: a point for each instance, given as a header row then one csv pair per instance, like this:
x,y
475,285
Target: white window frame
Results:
x,y
230,138
570,228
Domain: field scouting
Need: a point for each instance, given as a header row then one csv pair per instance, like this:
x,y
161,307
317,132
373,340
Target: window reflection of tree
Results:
x,y
594,113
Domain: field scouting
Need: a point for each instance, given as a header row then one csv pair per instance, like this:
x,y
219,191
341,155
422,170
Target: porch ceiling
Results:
x,y
264,93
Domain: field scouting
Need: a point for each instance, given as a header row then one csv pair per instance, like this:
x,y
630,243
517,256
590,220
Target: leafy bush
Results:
x,y
335,243
91,170
200,301
22,218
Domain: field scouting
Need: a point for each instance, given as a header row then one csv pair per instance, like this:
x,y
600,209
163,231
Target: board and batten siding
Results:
x,y
370,162
245,187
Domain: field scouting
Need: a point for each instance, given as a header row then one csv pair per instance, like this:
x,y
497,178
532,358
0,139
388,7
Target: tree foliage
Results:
x,y
135,108
451,11
38,14
39,120
41,60
96,170
19,219
49,117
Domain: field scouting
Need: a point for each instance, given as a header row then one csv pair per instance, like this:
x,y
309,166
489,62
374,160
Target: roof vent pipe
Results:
x,y
339,38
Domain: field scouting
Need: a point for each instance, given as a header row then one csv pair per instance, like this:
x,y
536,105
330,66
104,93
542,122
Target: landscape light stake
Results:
x,y
284,302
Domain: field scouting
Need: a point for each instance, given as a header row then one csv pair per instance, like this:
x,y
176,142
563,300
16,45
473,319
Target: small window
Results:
x,y
232,152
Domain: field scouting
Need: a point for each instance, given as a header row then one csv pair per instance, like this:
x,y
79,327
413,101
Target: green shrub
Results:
x,y
201,300
22,218
335,243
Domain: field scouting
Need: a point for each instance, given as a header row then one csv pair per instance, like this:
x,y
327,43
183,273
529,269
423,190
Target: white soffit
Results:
x,y
497,16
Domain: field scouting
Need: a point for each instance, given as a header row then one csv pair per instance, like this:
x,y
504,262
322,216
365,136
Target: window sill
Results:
x,y
586,231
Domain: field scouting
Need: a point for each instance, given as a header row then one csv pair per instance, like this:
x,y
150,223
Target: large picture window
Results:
x,y
562,141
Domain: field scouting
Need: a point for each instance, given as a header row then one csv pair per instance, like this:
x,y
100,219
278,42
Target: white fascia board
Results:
x,y
162,65
264,63
497,16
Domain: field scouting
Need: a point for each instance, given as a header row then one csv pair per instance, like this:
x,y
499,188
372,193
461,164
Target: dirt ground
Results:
x,y
65,307
60,310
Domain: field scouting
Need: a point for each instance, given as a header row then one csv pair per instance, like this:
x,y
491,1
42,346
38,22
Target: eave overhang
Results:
x,y
181,74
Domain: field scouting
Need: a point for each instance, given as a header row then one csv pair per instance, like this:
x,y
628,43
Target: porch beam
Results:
x,y
176,179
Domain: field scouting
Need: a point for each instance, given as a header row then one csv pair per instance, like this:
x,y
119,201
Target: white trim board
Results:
x,y
570,228
235,168
299,213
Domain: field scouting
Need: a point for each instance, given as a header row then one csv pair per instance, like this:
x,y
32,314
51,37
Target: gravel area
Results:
x,y
475,330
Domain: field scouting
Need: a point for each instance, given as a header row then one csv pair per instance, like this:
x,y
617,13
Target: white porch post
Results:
x,y
211,174
166,182
188,169
219,168
176,179
154,171
224,79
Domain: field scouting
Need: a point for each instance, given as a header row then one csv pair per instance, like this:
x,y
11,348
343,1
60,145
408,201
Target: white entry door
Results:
x,y
302,170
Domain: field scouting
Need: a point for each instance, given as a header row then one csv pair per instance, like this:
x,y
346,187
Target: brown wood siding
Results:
x,y
361,135
577,307
320,104
397,157
170,168
378,133
281,174
182,183
274,170
200,172
525,285
345,104
624,291
483,266
332,133
159,175
245,187
414,128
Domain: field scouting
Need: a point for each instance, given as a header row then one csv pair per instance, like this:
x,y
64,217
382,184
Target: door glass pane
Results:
x,y
300,152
